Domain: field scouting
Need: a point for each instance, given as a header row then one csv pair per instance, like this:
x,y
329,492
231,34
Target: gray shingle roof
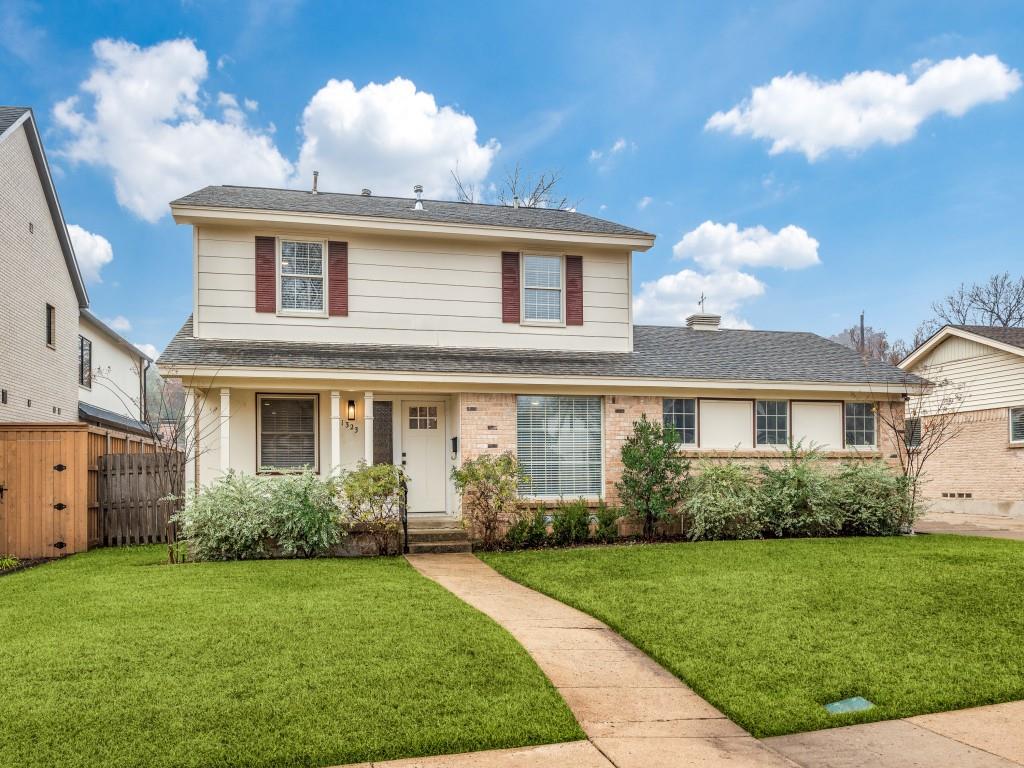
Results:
x,y
93,414
659,353
9,116
1011,336
441,211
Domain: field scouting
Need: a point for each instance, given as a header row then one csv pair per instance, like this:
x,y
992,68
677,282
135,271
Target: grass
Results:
x,y
769,631
112,658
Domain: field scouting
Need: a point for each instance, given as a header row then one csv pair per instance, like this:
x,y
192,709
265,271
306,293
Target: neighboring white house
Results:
x,y
979,373
329,329
111,376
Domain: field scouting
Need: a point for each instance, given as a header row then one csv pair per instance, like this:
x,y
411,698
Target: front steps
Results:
x,y
437,536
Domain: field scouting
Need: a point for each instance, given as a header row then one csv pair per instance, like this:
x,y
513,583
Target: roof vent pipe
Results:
x,y
366,192
703,322
316,176
418,189
515,201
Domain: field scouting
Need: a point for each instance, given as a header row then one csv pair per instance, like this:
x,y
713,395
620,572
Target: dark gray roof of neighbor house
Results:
x,y
9,116
93,414
1012,336
438,211
659,352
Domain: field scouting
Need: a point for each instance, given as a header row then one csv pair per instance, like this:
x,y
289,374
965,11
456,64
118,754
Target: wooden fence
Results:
x,y
133,491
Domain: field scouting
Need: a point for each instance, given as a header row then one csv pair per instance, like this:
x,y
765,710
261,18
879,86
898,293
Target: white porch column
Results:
x,y
225,430
335,432
368,427
190,431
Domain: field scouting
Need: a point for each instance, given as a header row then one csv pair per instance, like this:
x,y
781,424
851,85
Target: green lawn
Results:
x,y
769,631
112,658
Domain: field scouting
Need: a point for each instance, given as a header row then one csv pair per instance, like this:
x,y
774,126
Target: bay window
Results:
x,y
558,439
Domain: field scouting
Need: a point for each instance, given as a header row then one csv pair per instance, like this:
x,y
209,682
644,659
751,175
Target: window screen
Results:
x,y
287,433
681,414
542,288
84,362
302,276
860,424
559,445
1017,425
772,422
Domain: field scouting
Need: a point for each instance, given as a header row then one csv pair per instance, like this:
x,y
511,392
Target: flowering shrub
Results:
x,y
228,519
304,514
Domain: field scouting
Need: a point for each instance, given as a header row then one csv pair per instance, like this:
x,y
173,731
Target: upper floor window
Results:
x,y
302,276
84,362
51,325
772,422
859,424
681,415
542,289
1017,425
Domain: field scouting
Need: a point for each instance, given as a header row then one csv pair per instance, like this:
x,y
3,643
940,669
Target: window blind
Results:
x,y
1017,425
287,432
559,445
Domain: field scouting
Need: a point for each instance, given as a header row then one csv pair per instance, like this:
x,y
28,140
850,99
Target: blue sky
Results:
x,y
897,171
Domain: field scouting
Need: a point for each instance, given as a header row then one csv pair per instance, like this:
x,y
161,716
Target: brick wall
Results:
x,y
620,412
978,461
488,424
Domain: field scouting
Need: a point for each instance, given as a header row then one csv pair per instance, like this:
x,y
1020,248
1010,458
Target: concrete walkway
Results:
x,y
635,713
969,524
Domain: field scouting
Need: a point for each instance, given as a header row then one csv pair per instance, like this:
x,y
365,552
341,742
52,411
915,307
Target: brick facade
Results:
x,y
487,424
620,412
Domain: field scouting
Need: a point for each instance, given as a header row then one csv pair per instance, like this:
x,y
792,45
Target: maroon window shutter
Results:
x,y
509,287
266,274
337,279
574,290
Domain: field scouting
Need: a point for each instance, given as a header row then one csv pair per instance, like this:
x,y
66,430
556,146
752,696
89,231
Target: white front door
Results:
x,y
423,454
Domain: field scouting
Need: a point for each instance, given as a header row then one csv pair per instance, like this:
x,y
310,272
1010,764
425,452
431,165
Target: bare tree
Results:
x,y
875,344
998,301
520,190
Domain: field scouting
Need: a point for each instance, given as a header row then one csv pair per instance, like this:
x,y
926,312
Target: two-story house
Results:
x,y
329,329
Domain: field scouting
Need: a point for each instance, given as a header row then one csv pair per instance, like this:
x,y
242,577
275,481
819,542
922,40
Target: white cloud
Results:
x,y
119,323
92,251
725,246
604,157
389,137
799,113
671,298
148,349
145,123
644,201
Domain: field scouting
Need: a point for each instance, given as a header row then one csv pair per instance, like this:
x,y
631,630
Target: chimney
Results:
x,y
703,322
316,176
366,192
515,201
418,190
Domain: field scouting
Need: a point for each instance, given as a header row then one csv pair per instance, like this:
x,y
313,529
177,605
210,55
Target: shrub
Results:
x,y
373,497
794,500
490,496
653,474
7,562
304,514
873,500
570,524
607,528
227,520
722,503
529,531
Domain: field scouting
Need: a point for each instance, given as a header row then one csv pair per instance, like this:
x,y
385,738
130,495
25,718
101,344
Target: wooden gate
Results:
x,y
133,491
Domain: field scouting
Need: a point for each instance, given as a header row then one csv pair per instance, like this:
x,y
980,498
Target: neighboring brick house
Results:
x,y
329,329
979,376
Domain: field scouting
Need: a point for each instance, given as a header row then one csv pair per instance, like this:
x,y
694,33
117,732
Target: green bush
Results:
x,y
229,519
489,486
653,474
304,514
570,524
607,527
873,500
722,503
373,496
529,531
795,499
7,562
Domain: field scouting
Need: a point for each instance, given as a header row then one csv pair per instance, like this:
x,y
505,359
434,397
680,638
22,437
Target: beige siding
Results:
x,y
406,290
115,379
33,274
991,380
957,348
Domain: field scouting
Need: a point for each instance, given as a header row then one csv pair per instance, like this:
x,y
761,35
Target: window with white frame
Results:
x,y
1017,424
912,432
302,276
542,289
287,432
558,439
859,424
772,422
680,413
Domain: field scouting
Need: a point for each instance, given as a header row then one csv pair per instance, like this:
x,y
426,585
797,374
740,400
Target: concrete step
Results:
x,y
438,547
438,534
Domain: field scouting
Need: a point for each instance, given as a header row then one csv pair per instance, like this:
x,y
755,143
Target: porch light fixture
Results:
x,y
351,411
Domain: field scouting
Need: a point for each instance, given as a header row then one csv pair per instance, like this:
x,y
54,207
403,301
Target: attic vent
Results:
x,y
366,192
418,190
703,322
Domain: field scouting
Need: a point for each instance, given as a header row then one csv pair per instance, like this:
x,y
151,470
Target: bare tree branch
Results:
x,y
519,189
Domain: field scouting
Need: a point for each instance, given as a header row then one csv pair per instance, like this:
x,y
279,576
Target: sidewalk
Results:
x,y
969,524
